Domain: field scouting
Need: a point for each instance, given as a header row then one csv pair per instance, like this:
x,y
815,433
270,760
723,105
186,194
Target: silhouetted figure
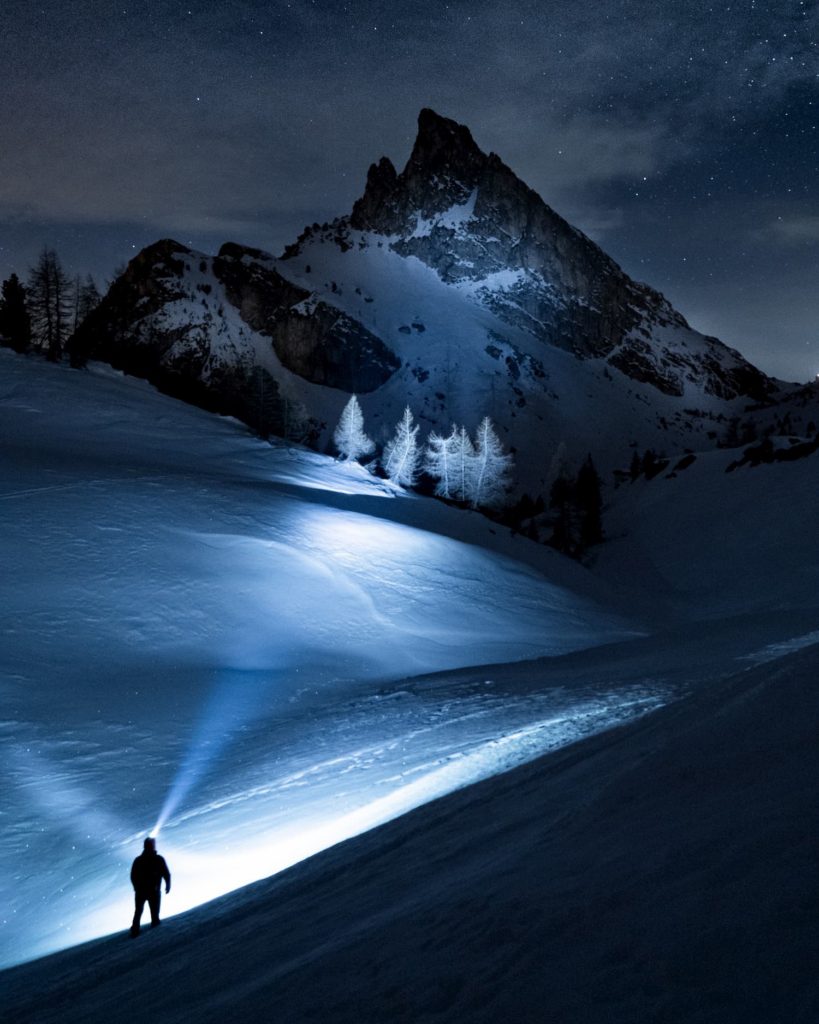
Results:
x,y
147,874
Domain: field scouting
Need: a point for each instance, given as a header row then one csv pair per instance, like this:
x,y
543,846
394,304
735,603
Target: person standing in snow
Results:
x,y
147,874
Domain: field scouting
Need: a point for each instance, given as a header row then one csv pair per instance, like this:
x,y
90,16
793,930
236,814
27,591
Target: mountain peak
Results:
x,y
441,141
444,166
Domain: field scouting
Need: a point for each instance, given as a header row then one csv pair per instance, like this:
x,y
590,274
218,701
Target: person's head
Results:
x,y
149,845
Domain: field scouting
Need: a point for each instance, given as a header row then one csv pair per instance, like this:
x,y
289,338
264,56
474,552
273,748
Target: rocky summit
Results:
x,y
454,288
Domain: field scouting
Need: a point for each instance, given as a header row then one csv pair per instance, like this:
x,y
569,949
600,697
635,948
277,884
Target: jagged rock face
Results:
x,y
331,348
313,339
120,330
252,285
466,214
156,323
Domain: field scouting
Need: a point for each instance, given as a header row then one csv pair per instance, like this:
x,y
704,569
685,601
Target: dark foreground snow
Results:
x,y
663,871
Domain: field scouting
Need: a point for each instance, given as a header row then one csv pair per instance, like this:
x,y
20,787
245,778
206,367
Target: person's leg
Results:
x,y
139,906
154,901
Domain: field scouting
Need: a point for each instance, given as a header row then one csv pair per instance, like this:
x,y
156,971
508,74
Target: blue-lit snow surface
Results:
x,y
181,604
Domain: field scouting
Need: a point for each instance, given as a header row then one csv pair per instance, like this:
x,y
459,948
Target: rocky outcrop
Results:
x,y
328,347
167,319
120,331
159,320
313,339
253,285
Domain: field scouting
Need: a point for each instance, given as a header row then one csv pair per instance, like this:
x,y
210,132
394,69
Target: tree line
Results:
x,y
478,473
42,314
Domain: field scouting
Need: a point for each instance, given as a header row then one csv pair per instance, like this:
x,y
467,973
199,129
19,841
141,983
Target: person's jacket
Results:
x,y
148,871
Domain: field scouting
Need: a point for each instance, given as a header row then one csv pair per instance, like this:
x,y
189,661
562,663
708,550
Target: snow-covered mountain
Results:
x,y
452,287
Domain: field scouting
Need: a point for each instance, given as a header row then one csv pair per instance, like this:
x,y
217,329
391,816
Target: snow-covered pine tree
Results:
x,y
439,461
349,436
464,466
493,467
401,454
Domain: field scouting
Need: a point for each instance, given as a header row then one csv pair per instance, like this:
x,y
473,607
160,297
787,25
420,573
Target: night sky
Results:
x,y
681,136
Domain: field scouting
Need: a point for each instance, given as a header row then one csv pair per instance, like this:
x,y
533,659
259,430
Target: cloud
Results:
x,y
796,230
251,105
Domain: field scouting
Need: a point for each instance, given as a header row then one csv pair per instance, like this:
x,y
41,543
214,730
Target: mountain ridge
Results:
x,y
449,283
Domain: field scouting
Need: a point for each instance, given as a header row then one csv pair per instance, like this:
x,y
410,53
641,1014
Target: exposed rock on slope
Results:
x,y
198,327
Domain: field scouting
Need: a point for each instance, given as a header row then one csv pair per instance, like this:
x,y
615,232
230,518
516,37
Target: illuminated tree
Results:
x,y
401,454
349,436
463,466
492,468
439,461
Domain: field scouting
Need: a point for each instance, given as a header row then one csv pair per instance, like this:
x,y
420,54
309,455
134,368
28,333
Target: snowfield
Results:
x,y
172,584
594,791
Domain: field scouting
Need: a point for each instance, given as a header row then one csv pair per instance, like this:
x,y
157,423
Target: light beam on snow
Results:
x,y
356,539
69,807
235,699
226,845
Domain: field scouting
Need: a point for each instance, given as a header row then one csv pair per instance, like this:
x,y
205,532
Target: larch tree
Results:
x,y
492,468
86,299
463,466
589,501
49,295
439,461
349,436
401,454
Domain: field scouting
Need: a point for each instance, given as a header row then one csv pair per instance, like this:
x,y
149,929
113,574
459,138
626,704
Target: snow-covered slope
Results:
x,y
182,601
454,288
246,642
722,537
662,872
